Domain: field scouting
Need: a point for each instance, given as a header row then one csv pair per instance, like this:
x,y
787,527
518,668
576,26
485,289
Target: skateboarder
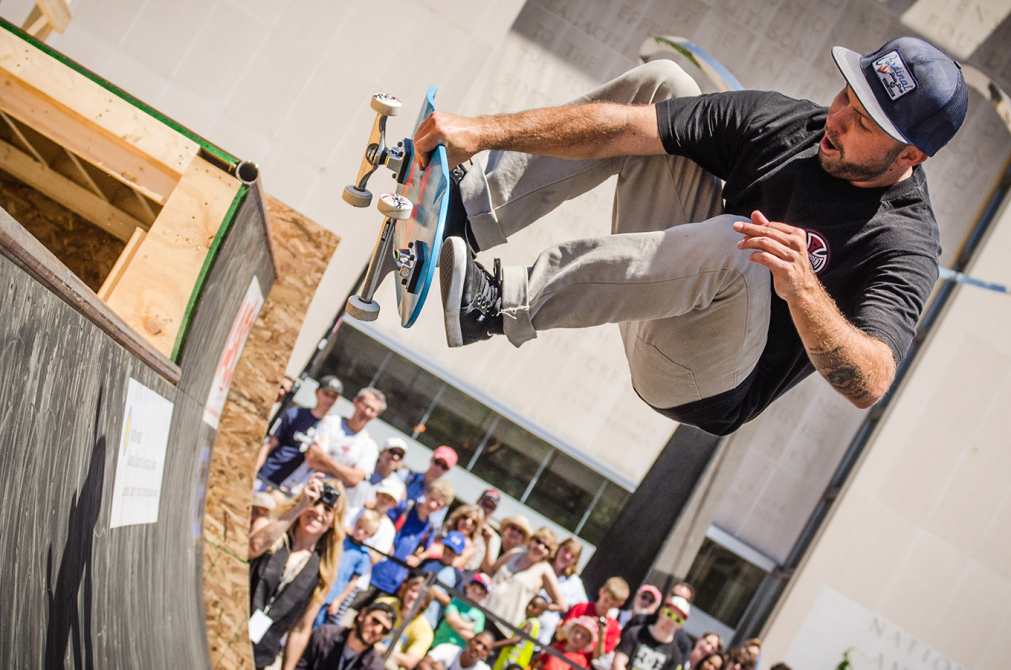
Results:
x,y
818,253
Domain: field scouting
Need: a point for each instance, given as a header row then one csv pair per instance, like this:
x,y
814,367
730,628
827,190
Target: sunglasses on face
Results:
x,y
673,615
541,543
647,597
441,464
395,454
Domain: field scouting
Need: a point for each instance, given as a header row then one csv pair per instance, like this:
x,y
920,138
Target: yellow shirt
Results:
x,y
418,635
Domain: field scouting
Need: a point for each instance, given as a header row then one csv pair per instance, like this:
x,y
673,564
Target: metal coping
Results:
x,y
120,93
205,271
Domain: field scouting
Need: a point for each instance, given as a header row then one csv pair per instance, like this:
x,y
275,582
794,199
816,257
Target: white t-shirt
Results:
x,y
357,450
449,655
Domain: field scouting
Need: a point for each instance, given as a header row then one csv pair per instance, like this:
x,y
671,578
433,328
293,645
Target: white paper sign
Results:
x,y
836,624
241,328
141,457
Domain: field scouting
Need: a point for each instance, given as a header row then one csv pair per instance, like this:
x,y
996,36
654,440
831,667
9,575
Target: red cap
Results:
x,y
445,454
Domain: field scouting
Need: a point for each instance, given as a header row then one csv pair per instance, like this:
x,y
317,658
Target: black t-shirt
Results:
x,y
646,653
874,250
295,428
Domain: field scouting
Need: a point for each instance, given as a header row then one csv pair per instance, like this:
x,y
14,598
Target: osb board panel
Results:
x,y
302,251
226,582
95,104
87,250
155,289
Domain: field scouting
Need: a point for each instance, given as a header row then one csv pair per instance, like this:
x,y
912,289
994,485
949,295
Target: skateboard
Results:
x,y
413,218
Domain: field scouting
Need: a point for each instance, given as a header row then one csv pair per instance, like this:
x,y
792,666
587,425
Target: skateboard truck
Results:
x,y
396,158
395,208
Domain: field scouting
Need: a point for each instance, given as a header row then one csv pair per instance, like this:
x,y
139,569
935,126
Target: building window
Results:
x,y
724,582
491,446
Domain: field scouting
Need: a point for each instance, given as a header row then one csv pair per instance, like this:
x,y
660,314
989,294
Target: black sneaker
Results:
x,y
457,223
471,296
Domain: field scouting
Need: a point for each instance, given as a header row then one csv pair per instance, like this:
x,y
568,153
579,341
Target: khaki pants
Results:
x,y
692,309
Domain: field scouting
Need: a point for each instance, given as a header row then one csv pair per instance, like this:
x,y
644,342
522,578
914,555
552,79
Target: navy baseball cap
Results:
x,y
912,89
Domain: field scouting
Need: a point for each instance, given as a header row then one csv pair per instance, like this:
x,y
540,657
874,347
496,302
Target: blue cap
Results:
x,y
456,541
912,89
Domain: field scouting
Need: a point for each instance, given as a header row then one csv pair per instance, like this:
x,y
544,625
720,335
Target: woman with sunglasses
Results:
x,y
646,601
294,561
652,645
517,577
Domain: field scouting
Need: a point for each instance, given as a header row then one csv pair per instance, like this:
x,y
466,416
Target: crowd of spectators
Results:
x,y
357,562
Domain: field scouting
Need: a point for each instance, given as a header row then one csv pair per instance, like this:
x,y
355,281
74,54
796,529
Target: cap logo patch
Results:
x,y
894,75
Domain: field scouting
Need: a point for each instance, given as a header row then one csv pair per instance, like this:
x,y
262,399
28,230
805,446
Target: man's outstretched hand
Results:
x,y
459,134
783,249
857,365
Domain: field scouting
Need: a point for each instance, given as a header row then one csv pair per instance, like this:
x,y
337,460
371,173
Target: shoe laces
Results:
x,y
487,298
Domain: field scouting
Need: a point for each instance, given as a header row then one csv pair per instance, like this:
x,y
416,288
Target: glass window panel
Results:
x,y
510,458
409,393
458,421
354,358
724,582
603,514
564,490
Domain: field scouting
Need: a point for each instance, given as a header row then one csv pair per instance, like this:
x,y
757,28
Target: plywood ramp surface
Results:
x,y
302,252
155,289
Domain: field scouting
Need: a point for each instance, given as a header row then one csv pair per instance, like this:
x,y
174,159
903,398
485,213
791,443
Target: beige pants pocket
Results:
x,y
660,381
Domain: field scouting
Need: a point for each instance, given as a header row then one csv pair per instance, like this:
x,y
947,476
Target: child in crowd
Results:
x,y
355,562
388,493
516,650
580,640
461,621
610,596
453,545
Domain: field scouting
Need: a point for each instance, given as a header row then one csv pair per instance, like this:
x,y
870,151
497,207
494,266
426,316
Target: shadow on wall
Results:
x,y
69,619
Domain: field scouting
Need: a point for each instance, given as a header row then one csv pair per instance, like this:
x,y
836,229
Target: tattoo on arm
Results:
x,y
844,376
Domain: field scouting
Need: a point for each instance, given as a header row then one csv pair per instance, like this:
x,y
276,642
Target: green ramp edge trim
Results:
x,y
144,107
205,271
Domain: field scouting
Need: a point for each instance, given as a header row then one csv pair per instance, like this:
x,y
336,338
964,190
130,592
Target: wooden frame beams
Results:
x,y
64,191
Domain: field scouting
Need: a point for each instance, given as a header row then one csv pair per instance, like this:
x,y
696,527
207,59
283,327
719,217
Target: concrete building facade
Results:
x,y
287,83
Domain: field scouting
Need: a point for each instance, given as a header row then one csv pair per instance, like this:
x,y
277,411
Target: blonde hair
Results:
x,y
618,588
370,520
463,511
329,546
442,488
576,548
548,537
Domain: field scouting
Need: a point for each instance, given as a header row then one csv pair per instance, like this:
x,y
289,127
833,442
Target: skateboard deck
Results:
x,y
415,217
418,239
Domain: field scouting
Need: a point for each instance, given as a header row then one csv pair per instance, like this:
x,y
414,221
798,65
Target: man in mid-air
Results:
x,y
817,253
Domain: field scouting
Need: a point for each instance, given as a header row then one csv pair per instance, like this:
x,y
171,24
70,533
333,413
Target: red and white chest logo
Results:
x,y
817,251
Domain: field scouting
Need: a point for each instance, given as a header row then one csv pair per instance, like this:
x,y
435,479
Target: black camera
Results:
x,y
329,496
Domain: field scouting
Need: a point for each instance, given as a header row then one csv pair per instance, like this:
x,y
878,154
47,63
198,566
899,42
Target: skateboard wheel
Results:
x,y
361,310
357,197
385,104
395,206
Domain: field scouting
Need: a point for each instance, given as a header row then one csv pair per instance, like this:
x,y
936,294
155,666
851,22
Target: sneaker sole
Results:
x,y
452,272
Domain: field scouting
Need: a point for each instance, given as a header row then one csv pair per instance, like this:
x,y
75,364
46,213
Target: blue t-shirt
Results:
x,y
415,483
296,427
355,561
387,575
